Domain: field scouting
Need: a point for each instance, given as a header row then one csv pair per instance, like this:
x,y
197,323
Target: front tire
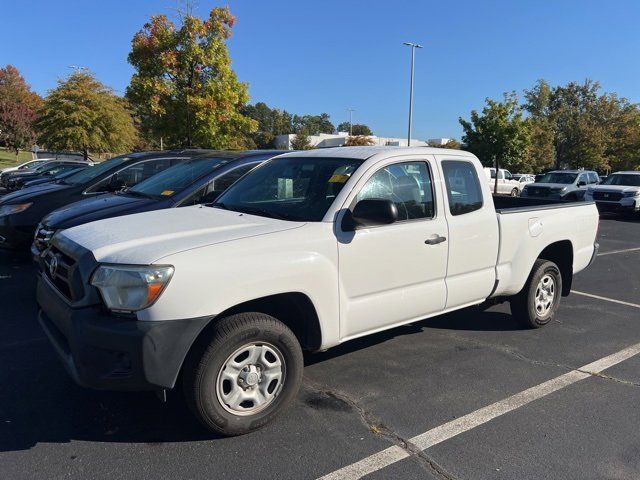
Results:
x,y
244,374
537,303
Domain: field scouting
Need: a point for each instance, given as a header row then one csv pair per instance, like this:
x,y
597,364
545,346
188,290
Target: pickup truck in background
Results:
x,y
618,193
568,185
307,251
507,184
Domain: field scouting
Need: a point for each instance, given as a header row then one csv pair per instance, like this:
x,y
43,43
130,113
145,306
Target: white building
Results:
x,y
326,140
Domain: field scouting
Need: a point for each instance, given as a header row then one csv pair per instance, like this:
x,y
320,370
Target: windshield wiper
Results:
x,y
264,213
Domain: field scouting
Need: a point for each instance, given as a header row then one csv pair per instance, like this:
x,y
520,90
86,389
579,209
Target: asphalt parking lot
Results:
x,y
468,395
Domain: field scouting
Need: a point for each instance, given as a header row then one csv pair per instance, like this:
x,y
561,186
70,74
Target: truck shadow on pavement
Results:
x,y
39,402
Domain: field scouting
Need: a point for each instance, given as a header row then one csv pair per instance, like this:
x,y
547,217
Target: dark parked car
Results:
x,y
198,180
16,180
21,211
54,178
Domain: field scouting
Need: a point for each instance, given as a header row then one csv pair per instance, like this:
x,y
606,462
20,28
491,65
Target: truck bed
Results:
x,y
506,205
527,226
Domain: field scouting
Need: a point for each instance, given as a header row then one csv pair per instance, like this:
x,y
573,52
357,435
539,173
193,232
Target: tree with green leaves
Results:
x,y
313,124
184,89
271,122
18,110
301,141
355,129
583,127
83,114
499,136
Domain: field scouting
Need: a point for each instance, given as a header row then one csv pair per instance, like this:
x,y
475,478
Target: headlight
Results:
x,y
632,194
11,209
130,288
558,189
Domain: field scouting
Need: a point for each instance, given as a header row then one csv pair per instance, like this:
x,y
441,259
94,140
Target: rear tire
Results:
x,y
515,192
244,374
537,303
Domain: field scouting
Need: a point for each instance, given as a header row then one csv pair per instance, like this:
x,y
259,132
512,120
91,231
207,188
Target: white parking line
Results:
x,y
474,419
598,297
636,249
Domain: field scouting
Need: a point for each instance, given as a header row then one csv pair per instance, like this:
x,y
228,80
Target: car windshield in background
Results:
x,y
623,179
291,188
178,177
88,174
558,177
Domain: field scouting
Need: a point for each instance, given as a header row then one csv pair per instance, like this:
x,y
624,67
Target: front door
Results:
x,y
393,274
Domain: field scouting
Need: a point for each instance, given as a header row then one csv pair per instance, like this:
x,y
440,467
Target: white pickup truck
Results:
x,y
307,251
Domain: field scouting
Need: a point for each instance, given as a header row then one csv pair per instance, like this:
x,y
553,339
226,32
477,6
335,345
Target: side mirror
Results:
x,y
374,211
582,183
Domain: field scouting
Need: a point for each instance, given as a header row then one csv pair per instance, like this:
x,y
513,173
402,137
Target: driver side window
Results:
x,y
408,185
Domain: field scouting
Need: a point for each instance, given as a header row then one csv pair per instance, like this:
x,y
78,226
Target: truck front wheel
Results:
x,y
243,374
536,304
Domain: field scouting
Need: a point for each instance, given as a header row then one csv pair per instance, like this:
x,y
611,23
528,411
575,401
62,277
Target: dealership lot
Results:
x,y
363,397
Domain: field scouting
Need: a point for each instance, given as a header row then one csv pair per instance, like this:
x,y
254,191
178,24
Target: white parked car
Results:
x,y
619,192
524,179
26,165
309,250
507,185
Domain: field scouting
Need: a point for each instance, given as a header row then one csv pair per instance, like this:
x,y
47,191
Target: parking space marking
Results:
x,y
439,434
607,299
625,250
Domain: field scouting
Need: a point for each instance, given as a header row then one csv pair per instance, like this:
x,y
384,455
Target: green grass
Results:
x,y
8,158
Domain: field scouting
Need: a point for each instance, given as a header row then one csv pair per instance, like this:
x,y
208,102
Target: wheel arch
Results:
x,y
561,253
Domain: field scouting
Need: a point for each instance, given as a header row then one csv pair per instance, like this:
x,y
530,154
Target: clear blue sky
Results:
x,y
325,56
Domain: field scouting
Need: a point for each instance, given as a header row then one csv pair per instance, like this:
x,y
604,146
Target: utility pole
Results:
x,y
350,110
413,54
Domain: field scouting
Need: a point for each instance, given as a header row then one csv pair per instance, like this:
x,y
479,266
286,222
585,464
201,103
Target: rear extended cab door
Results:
x,y
472,230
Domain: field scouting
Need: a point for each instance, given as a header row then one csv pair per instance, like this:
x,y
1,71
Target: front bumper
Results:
x,y
617,207
103,351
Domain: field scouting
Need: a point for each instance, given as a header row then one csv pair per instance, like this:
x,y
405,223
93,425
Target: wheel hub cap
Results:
x,y
545,295
251,378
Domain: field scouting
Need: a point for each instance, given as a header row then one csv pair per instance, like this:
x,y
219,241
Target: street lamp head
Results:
x,y
414,45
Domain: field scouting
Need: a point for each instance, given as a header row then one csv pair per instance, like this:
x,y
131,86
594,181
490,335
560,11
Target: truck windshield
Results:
x,y
177,178
558,177
290,188
625,179
88,174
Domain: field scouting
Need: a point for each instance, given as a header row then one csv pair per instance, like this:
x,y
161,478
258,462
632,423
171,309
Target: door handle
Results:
x,y
436,239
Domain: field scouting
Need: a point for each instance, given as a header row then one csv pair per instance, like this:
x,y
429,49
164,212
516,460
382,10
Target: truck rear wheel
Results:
x,y
245,374
536,304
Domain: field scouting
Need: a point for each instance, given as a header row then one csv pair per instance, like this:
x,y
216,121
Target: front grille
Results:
x,y
62,271
43,237
607,196
538,191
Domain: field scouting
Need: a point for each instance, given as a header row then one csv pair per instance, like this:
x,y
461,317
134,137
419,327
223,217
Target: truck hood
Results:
x,y
31,193
145,238
96,208
614,188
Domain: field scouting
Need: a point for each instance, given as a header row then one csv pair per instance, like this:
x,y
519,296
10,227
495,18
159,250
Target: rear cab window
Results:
x,y
463,187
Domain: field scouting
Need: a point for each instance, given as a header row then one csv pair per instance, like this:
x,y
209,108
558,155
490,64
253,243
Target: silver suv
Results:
x,y
562,185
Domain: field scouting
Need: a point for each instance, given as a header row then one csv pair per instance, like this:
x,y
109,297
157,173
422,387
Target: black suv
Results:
x,y
21,211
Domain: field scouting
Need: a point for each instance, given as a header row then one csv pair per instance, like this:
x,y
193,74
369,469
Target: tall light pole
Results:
x,y
413,54
350,110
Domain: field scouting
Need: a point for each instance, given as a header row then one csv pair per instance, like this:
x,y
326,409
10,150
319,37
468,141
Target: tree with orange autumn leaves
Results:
x,y
184,89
